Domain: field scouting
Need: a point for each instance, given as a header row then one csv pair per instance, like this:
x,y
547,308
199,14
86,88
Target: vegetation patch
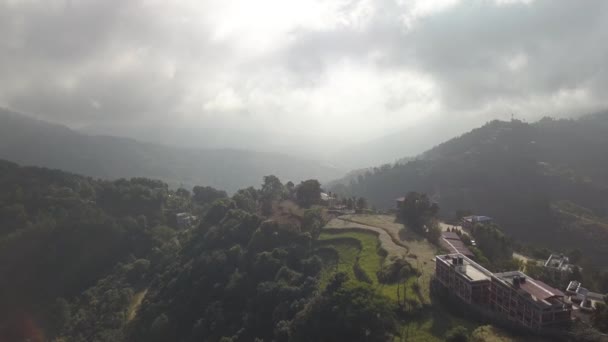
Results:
x,y
135,304
365,261
419,254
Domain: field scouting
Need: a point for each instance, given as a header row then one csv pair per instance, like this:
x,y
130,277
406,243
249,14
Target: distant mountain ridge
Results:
x,y
522,174
30,141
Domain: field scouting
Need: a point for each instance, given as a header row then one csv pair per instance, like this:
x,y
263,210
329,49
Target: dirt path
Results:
x,y
393,233
135,303
386,241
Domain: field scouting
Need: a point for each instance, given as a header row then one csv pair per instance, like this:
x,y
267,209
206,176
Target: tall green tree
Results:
x,y
600,316
308,192
206,194
272,190
417,210
361,203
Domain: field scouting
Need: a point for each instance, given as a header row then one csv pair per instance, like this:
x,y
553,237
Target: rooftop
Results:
x,y
536,289
468,268
559,261
577,288
475,219
455,245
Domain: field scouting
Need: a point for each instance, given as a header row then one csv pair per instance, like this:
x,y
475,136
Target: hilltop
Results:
x,y
546,182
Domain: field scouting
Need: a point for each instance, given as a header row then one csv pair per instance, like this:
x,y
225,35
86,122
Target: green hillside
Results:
x,y
516,172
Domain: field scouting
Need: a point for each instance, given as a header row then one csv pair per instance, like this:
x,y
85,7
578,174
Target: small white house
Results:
x,y
185,220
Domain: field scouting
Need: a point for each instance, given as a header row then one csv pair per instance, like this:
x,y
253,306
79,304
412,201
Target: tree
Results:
x,y
272,190
350,204
206,194
181,192
433,232
417,210
291,189
346,311
160,327
218,210
600,316
312,222
492,242
575,255
12,217
308,192
466,239
457,334
245,201
361,203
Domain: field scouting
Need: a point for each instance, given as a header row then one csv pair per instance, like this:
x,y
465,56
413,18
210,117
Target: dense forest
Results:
x,y
28,141
94,260
545,183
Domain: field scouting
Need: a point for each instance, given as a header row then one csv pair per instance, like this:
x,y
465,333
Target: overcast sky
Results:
x,y
283,74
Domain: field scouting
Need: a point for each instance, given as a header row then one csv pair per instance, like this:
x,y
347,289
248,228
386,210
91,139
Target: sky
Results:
x,y
307,77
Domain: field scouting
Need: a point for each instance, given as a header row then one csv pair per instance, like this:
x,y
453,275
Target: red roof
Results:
x,y
539,289
456,246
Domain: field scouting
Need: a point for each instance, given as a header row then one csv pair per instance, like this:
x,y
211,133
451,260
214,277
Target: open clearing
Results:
x,y
135,304
398,241
357,245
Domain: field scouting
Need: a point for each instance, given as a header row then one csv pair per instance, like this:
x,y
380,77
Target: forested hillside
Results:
x,y
546,183
94,260
33,142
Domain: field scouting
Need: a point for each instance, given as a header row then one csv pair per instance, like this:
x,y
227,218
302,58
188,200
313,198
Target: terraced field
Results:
x,y
397,241
360,254
369,241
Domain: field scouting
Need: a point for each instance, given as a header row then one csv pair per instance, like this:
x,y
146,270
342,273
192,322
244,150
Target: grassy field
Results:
x,y
419,252
431,325
360,246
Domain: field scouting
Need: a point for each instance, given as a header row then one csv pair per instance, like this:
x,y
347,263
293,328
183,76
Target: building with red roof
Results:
x,y
528,301
511,295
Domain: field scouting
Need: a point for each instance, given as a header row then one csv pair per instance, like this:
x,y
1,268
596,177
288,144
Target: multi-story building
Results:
x,y
527,301
511,295
464,278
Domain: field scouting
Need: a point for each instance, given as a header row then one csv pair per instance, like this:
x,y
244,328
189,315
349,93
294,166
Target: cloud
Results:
x,y
299,75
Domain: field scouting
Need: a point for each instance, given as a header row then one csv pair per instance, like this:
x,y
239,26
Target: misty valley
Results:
x,y
304,171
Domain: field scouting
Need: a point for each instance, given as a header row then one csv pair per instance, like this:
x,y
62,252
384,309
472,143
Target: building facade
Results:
x,y
527,301
511,295
464,278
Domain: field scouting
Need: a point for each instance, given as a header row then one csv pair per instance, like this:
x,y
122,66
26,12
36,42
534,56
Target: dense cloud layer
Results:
x,y
300,75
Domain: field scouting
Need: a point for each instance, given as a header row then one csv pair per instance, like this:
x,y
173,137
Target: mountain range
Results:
x,y
30,141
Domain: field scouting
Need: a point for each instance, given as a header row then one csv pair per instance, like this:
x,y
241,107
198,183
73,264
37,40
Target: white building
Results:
x,y
585,299
185,220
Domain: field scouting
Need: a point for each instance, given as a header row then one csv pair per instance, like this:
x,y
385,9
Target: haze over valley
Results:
x,y
314,79
303,171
